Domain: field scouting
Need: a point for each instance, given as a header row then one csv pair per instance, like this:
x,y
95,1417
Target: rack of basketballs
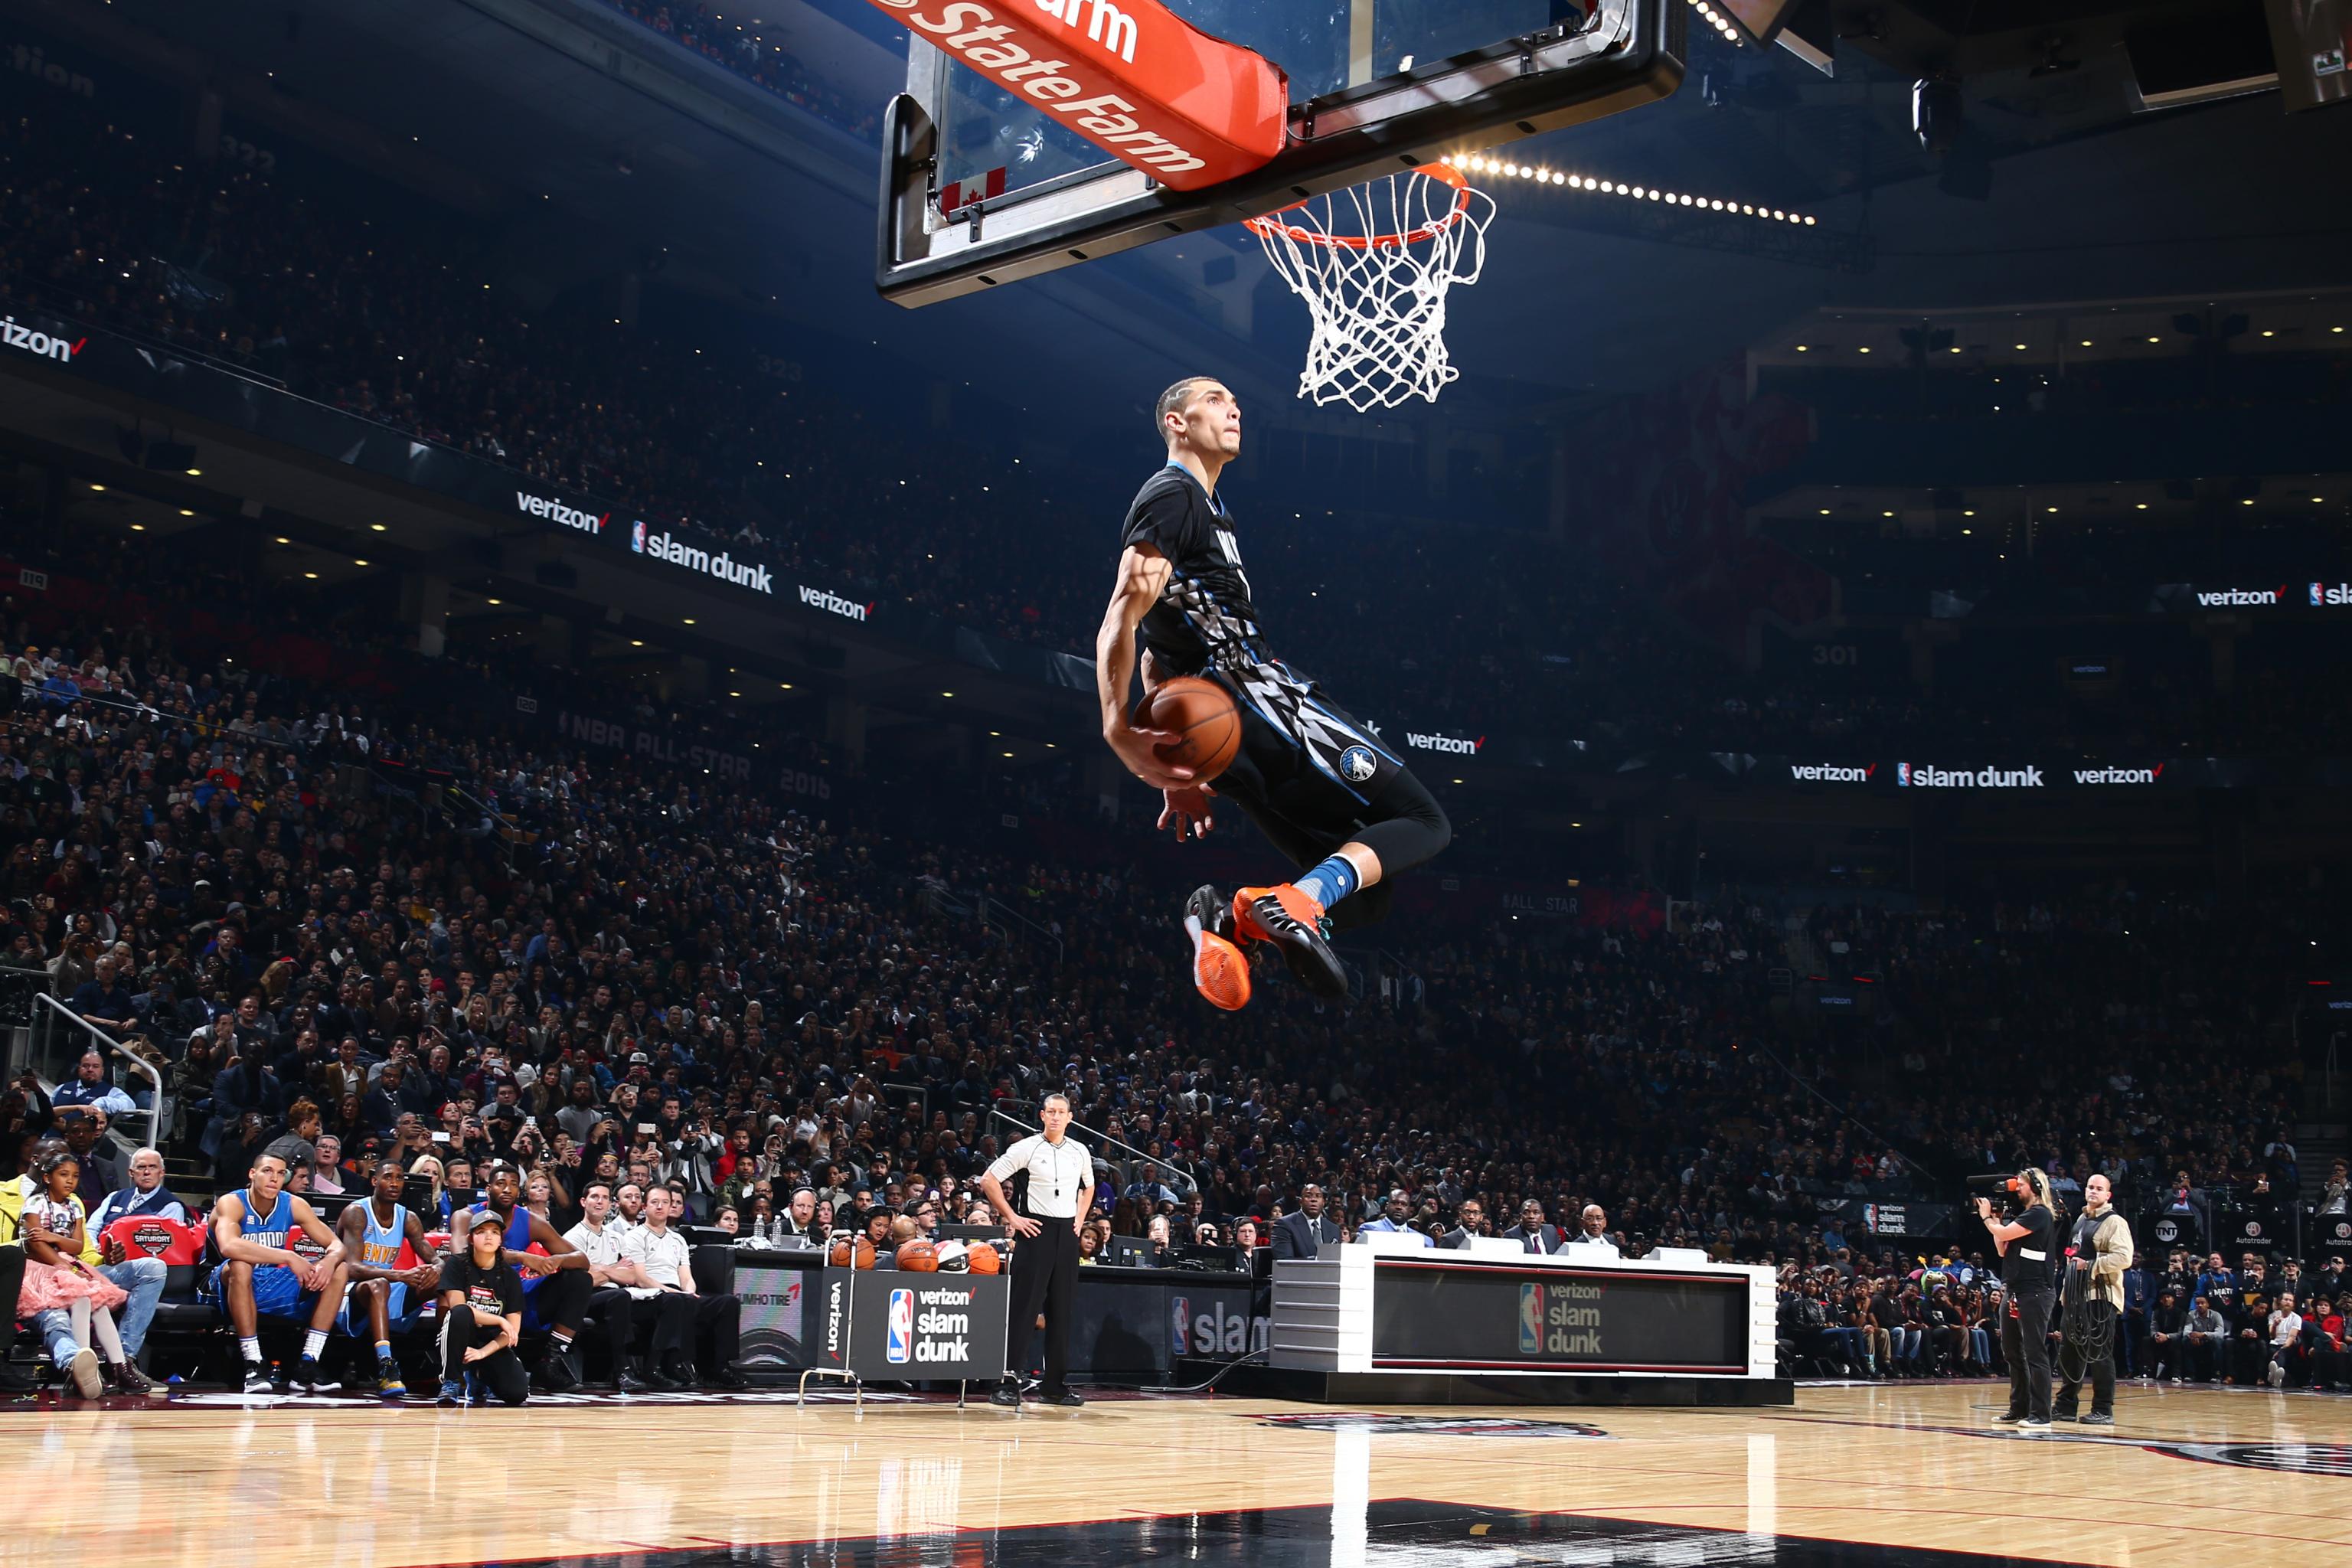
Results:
x,y
918,1256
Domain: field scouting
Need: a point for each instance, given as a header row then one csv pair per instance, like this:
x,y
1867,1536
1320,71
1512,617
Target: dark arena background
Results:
x,y
599,954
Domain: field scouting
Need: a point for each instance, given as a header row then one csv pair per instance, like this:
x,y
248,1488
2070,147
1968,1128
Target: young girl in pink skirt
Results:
x,y
68,1299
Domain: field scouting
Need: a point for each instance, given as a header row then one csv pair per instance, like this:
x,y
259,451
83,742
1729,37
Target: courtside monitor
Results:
x,y
990,175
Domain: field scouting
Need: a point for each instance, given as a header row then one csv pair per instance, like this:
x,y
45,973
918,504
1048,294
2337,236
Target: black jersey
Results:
x,y
1204,624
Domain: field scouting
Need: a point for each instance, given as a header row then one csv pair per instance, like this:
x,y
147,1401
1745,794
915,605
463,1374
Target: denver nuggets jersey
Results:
x,y
380,1248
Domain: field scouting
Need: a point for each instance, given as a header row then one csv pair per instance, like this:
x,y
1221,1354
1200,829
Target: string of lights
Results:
x,y
1720,22
1485,164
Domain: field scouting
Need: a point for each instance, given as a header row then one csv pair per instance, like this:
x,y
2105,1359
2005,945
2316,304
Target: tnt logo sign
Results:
x,y
899,1343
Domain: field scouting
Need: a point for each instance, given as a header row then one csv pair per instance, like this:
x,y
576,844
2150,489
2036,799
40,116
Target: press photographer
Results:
x,y
2023,1240
2093,1298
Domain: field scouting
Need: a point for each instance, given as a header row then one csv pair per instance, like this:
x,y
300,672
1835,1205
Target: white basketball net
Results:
x,y
1373,263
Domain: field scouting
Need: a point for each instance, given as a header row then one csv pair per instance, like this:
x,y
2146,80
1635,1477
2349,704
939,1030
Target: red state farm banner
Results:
x,y
1129,76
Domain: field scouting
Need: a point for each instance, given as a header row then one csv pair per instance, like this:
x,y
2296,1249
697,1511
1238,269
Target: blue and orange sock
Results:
x,y
1329,882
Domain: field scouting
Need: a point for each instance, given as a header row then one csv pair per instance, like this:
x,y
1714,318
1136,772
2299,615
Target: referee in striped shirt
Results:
x,y
1046,1261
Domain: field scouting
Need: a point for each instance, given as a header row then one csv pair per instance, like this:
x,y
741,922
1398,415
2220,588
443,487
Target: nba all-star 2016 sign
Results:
x,y
1130,76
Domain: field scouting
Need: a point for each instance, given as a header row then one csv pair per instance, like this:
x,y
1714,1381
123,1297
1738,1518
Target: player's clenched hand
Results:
x,y
1188,812
1140,749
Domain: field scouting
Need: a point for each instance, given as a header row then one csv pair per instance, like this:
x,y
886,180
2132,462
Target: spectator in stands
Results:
x,y
103,1002
327,1166
84,1127
2208,1336
2166,1348
2323,1339
2285,1340
481,1317
89,1086
685,1319
68,1296
145,1194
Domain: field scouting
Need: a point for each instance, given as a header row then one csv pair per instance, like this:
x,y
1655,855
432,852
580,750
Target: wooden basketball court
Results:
x,y
1878,1474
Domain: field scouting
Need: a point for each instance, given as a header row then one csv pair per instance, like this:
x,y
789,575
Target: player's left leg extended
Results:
x,y
1349,852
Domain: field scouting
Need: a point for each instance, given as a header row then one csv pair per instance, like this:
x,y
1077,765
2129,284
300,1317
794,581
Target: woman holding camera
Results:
x,y
2029,1286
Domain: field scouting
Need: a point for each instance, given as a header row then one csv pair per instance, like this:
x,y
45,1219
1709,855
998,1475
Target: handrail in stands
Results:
x,y
160,1117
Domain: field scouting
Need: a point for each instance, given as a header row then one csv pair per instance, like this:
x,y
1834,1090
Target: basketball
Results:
x,y
845,1253
919,1257
982,1259
1205,721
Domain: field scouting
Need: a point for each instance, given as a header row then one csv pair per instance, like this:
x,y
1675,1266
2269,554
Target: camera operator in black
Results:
x,y
2027,1288
2102,1250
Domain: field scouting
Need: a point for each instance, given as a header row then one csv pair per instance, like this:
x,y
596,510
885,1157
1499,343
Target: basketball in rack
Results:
x,y
1374,263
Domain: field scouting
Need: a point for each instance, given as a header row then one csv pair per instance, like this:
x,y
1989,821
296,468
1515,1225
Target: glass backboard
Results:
x,y
1374,85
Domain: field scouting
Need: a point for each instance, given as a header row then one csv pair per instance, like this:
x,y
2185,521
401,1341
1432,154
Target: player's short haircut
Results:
x,y
1173,401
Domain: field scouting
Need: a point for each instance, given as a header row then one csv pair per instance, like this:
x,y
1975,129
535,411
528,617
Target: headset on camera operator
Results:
x,y
2027,1288
2091,1299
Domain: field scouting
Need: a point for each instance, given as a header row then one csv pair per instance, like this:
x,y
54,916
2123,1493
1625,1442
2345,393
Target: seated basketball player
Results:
x,y
1321,786
259,1271
381,1303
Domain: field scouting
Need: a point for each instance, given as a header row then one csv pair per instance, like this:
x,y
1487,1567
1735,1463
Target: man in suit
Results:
x,y
1396,1217
1531,1232
1307,1231
1592,1237
1469,1220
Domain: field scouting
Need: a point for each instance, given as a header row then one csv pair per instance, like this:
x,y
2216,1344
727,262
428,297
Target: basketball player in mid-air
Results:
x,y
1320,785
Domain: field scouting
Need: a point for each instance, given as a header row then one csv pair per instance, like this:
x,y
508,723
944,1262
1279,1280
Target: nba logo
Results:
x,y
2318,593
1902,774
1531,1319
899,1343
637,537
1179,1323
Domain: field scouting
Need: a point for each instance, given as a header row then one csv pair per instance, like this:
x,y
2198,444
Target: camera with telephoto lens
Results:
x,y
2008,1198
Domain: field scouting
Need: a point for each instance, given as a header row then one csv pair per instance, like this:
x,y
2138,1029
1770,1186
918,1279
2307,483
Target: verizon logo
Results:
x,y
555,511
2118,775
1830,773
1453,744
834,604
2242,595
975,34
1911,776
41,344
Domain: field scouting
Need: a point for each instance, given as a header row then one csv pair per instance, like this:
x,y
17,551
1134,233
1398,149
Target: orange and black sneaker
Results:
x,y
1219,968
1295,924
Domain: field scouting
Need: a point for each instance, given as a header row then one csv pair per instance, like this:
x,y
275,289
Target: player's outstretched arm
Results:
x,y
1143,575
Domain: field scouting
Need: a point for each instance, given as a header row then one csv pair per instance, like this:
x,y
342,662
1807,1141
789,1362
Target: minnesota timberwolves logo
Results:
x,y
1357,763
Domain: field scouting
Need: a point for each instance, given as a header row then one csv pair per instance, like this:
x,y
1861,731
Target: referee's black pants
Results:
x,y
1045,1269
